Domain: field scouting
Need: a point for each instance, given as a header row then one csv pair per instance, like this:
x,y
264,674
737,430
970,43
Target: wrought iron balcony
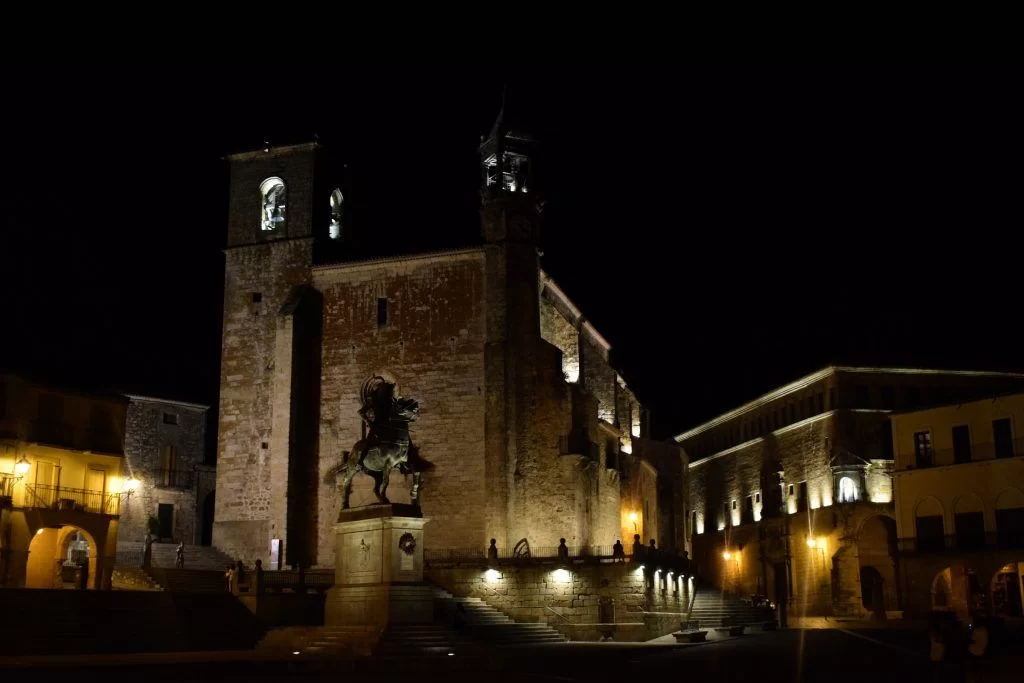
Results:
x,y
978,452
71,499
174,479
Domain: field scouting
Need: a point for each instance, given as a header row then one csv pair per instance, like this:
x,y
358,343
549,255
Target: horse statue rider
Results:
x,y
388,444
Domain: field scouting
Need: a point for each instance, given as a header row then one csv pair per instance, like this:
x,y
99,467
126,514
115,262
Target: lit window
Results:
x,y
847,490
273,197
337,199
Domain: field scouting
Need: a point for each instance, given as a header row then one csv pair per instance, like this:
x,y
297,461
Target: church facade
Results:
x,y
529,430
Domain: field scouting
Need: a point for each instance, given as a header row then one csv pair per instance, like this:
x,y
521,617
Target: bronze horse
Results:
x,y
387,446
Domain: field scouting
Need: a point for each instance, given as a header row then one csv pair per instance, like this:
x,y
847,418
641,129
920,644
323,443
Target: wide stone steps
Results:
x,y
485,624
714,609
164,555
189,580
397,641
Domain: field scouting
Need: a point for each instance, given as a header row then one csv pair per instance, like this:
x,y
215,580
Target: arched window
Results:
x,y
273,200
847,490
337,199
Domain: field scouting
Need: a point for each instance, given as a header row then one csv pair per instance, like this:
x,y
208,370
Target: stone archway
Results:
x,y
1005,589
59,556
942,590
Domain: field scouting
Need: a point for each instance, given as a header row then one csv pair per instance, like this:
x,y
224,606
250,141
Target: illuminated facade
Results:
x,y
791,494
164,451
532,432
959,482
62,485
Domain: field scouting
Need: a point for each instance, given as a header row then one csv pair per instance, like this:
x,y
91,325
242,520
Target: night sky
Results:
x,y
726,229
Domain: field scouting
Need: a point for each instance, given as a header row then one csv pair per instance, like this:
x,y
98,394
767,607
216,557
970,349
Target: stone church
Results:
x,y
530,431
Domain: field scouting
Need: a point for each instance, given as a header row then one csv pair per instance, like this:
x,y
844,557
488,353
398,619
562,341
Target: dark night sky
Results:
x,y
727,229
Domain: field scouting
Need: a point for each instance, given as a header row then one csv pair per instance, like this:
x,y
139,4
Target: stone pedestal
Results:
x,y
378,571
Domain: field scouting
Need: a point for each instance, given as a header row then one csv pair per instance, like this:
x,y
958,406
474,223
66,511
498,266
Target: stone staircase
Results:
x,y
203,572
188,580
483,623
714,609
397,641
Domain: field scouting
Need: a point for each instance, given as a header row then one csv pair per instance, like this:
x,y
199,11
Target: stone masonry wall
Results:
x,y
432,345
146,434
799,450
569,598
272,271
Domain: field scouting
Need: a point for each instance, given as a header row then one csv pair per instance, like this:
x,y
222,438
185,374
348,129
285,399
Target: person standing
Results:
x,y
179,556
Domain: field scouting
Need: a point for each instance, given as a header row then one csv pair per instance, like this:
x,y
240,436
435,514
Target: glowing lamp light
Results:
x,y
21,467
561,575
129,485
492,575
633,517
726,555
811,543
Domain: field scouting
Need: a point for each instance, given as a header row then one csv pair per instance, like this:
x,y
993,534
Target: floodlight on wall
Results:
x,y
129,485
22,467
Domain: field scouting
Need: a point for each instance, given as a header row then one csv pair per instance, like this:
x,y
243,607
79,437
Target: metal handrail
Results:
x,y
561,616
67,498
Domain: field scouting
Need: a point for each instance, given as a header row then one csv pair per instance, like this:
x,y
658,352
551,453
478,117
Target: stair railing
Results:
x,y
558,614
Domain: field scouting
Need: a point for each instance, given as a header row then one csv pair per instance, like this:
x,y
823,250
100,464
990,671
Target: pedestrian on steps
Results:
x,y
179,556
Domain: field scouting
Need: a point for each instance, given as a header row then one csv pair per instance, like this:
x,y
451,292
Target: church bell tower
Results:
x,y
511,194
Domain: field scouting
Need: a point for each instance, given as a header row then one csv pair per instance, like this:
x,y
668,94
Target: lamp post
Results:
x,y
633,517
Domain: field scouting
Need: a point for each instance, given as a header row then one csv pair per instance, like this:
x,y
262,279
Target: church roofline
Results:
x,y
168,401
807,380
422,256
580,320
271,151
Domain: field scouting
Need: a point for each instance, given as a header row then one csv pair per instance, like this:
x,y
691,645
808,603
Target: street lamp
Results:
x,y
22,467
633,517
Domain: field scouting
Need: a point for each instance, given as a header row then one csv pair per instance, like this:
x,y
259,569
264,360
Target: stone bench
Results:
x,y
690,636
732,630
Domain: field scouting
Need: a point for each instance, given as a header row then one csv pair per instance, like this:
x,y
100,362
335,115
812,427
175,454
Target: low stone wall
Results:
x,y
575,599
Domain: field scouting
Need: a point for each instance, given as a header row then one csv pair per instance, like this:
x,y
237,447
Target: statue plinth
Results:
x,y
378,570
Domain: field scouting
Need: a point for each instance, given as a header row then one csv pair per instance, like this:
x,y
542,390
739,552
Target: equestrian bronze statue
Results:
x,y
387,446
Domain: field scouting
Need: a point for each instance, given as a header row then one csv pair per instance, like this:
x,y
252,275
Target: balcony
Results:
x,y
66,499
951,543
979,452
173,479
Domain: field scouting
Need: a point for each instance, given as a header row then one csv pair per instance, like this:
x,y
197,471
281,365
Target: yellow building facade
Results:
x,y
959,490
61,485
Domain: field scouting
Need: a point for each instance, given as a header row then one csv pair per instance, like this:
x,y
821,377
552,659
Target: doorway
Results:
x,y
209,503
872,593
165,516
